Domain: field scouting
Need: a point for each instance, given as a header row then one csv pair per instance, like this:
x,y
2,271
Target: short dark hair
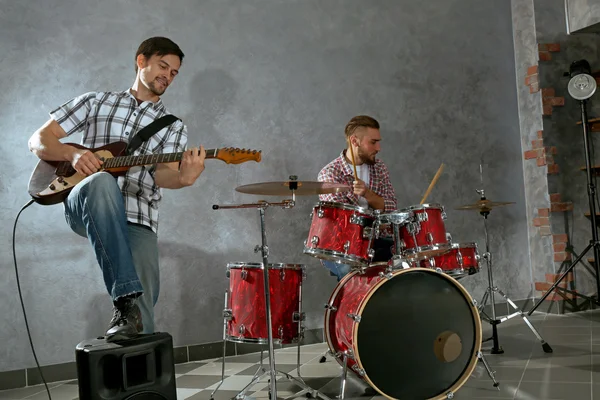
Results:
x,y
360,121
158,46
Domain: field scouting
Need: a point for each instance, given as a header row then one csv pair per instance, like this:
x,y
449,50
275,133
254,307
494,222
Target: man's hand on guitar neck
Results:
x,y
177,175
192,165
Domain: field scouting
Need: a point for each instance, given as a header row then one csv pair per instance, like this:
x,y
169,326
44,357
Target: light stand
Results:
x,y
581,87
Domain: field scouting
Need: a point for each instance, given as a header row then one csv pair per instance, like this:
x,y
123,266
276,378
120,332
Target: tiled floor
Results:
x,y
524,371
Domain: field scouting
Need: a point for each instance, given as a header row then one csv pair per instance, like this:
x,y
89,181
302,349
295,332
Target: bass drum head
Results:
x,y
418,336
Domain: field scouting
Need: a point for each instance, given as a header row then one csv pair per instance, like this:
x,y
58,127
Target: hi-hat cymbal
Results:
x,y
285,188
484,205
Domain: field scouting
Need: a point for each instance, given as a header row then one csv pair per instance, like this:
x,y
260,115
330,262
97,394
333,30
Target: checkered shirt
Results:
x,y
107,117
341,171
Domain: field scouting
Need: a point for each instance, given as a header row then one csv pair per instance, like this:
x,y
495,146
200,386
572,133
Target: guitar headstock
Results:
x,y
234,155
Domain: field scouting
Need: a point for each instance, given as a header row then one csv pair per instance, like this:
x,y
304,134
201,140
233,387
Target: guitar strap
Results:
x,y
146,132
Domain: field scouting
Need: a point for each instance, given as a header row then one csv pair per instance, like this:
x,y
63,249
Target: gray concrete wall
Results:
x,y
281,76
582,15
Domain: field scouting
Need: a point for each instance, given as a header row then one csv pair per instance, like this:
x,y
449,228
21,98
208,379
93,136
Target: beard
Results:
x,y
368,159
156,88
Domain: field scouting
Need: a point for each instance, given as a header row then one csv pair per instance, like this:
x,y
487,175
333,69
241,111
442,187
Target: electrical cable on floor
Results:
x,y
21,298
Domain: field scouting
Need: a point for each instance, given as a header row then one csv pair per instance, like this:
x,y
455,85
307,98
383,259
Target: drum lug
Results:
x,y
450,395
241,329
358,370
387,275
280,331
367,232
444,216
423,217
459,258
346,246
228,314
320,213
314,241
297,316
371,253
432,262
354,317
330,307
282,275
244,274
448,237
429,237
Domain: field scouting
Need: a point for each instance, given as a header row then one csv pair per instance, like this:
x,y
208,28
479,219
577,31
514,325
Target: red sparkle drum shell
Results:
x,y
426,232
461,260
340,232
412,334
247,302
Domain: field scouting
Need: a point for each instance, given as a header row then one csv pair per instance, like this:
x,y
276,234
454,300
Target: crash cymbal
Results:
x,y
300,188
484,205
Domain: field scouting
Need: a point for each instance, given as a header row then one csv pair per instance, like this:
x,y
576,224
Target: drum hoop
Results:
x,y
423,207
464,245
236,265
478,332
445,247
343,206
351,260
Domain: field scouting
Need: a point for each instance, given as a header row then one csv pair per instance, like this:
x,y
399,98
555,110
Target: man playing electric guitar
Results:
x,y
120,216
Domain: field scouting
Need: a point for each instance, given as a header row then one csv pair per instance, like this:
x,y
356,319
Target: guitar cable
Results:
x,y
30,202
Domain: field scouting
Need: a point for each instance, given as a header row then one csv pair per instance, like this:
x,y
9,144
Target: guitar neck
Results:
x,y
133,161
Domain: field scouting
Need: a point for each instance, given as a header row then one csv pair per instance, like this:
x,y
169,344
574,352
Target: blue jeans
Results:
x,y
337,269
382,247
127,253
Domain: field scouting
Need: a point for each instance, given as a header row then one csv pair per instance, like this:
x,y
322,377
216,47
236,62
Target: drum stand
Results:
x,y
271,372
491,290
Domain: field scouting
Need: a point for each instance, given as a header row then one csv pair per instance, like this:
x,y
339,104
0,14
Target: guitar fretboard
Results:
x,y
132,161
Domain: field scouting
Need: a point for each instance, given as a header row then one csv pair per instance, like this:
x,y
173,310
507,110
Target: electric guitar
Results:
x,y
51,181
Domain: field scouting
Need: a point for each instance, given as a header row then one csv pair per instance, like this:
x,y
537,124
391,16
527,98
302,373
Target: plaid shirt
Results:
x,y
107,117
340,171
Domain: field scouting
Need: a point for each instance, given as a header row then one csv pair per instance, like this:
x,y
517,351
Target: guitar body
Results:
x,y
52,181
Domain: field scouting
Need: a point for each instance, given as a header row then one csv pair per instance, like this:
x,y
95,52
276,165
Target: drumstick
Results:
x,y
353,162
435,178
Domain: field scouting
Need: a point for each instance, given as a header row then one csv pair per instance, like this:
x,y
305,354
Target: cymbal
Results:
x,y
484,205
303,188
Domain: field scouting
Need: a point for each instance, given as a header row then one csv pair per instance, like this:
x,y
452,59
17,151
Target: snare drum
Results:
x,y
341,232
411,334
246,303
426,232
461,260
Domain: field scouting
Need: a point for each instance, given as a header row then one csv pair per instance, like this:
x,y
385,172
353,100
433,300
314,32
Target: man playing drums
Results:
x,y
358,166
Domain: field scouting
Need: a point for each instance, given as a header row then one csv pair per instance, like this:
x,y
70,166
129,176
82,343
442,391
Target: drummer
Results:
x,y
371,187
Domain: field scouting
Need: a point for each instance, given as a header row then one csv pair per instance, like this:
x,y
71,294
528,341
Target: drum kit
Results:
x,y
406,327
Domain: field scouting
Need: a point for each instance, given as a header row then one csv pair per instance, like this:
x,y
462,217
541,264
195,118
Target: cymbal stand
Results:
x,y
492,289
264,249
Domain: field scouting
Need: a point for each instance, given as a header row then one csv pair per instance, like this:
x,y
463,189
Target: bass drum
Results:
x,y
410,334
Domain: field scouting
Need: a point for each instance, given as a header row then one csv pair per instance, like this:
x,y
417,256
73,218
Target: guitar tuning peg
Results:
x,y
237,149
253,151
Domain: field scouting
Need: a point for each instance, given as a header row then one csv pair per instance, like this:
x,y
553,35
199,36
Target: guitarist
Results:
x,y
120,216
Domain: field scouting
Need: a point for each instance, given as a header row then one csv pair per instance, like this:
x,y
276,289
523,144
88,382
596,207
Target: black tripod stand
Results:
x,y
591,190
485,206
